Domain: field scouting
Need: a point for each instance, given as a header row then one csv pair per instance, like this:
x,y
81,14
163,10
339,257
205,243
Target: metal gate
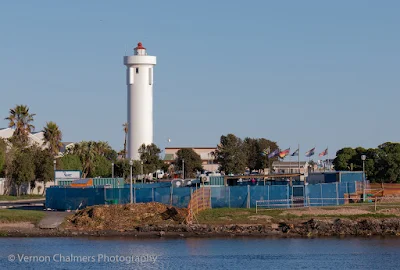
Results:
x,y
298,198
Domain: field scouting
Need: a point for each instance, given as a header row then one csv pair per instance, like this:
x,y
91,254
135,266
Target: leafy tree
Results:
x,y
89,153
382,164
69,162
251,149
150,156
343,159
122,168
53,136
43,162
22,169
230,155
21,120
390,161
192,160
102,167
255,156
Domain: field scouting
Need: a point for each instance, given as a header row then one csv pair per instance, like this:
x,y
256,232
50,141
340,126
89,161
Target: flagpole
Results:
x,y
298,156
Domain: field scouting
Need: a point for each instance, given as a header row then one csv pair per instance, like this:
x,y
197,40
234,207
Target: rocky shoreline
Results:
x,y
306,228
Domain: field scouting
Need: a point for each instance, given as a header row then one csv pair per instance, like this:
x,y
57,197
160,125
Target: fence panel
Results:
x,y
279,196
220,197
238,197
329,194
258,193
162,195
181,197
144,195
314,195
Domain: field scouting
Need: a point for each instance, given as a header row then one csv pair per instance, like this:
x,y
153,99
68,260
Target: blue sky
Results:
x,y
314,73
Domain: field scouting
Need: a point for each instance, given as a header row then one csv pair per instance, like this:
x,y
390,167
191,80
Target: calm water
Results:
x,y
243,253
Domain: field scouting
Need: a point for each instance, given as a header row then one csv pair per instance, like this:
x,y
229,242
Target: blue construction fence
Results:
x,y
67,198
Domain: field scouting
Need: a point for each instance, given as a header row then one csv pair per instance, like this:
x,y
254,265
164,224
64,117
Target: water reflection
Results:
x,y
223,253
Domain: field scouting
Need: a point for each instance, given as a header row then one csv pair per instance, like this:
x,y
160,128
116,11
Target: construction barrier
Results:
x,y
72,198
201,200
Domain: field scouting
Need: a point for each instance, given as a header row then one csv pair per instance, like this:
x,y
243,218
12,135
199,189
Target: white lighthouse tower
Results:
x,y
139,78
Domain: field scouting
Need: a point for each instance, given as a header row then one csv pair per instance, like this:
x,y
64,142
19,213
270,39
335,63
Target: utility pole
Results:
x,y
363,158
141,170
131,187
183,168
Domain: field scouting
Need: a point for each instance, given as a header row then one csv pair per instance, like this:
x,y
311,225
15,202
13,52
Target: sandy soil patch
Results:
x,y
393,211
260,217
17,225
225,218
321,212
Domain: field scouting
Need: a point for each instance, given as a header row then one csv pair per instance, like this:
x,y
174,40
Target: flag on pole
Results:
x,y
310,152
284,153
266,151
323,153
295,153
274,153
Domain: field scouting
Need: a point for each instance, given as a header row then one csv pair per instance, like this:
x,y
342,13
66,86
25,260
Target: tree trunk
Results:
x,y
125,147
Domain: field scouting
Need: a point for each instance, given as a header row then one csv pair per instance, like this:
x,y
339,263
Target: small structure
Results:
x,y
205,153
290,167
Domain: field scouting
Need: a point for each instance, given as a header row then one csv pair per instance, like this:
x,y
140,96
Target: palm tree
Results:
x,y
53,136
126,129
86,152
101,148
21,120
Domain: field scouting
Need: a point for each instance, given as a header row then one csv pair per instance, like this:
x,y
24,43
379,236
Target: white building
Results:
x,y
290,167
33,138
206,154
139,80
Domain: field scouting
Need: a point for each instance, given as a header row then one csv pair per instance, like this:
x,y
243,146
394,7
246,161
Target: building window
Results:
x,y
137,70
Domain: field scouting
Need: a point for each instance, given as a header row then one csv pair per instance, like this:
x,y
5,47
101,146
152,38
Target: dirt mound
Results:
x,y
125,217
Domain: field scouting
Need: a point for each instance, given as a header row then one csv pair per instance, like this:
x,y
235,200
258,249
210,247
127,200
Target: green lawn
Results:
x,y
10,215
22,197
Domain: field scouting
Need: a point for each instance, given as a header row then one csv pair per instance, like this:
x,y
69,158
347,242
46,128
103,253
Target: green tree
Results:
x,y
263,160
22,169
21,121
53,136
343,159
254,149
230,155
389,160
122,169
192,160
102,167
150,156
44,167
69,162
252,152
89,153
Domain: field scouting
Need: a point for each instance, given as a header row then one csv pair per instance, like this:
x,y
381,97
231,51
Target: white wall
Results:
x,y
2,183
